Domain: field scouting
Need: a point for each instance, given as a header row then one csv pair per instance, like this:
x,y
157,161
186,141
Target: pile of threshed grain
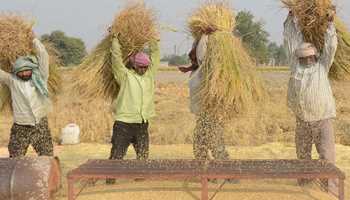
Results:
x,y
230,86
313,21
135,26
16,36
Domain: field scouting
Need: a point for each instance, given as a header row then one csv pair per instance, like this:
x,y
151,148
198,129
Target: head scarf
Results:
x,y
140,59
31,63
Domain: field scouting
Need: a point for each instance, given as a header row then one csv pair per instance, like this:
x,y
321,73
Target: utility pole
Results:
x,y
175,49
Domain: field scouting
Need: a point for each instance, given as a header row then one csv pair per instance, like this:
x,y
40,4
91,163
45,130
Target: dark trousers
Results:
x,y
24,135
125,134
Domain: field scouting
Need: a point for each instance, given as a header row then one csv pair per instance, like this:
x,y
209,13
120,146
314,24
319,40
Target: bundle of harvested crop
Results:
x,y
230,85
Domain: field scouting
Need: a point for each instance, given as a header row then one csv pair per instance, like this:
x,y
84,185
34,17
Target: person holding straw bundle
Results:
x,y
119,70
310,95
30,80
134,105
209,131
222,84
30,103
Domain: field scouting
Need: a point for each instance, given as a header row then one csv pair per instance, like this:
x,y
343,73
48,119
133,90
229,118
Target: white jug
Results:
x,y
70,134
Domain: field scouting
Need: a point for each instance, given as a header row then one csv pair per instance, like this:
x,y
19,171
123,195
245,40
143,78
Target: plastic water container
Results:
x,y
70,134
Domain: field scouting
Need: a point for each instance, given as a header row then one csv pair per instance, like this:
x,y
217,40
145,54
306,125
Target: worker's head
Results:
x,y
307,54
23,67
140,62
25,75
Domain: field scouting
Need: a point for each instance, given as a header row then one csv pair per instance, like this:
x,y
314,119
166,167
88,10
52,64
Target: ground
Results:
x,y
72,156
268,134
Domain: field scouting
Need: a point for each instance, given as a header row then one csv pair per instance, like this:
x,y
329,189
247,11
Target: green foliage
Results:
x,y
253,35
72,50
177,60
166,58
277,52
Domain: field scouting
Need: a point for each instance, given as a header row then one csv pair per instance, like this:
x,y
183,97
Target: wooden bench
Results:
x,y
204,170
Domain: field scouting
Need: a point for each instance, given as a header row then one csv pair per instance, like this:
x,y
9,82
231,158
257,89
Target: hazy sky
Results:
x,y
88,19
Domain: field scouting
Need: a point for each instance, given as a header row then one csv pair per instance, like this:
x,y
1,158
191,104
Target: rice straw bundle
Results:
x,y
16,38
312,18
230,85
214,16
340,69
94,74
136,27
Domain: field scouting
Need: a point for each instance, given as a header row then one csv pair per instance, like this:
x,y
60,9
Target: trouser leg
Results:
x,y
19,140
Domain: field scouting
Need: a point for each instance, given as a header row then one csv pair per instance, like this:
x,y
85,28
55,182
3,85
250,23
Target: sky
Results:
x,y
89,19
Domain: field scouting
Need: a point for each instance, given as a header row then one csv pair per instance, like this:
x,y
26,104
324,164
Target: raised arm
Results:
x,y
330,47
155,55
202,49
43,58
292,39
118,67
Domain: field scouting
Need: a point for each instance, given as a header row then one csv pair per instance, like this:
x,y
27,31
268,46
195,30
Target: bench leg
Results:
x,y
341,189
204,188
71,195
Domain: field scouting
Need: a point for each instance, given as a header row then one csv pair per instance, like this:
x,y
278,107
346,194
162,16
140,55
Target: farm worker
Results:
x,y
30,103
309,93
209,132
134,105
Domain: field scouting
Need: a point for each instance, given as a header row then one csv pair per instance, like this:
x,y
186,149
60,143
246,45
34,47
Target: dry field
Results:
x,y
174,123
268,134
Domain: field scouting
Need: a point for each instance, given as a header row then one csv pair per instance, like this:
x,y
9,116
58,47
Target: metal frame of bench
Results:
x,y
187,169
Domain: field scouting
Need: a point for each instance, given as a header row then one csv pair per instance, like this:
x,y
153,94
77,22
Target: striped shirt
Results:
x,y
310,95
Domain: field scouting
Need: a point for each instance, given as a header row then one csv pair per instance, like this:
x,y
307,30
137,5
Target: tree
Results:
x,y
71,50
166,58
253,35
277,52
177,60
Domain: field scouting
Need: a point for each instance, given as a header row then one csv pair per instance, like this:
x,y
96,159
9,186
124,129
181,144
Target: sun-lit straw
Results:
x,y
230,85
